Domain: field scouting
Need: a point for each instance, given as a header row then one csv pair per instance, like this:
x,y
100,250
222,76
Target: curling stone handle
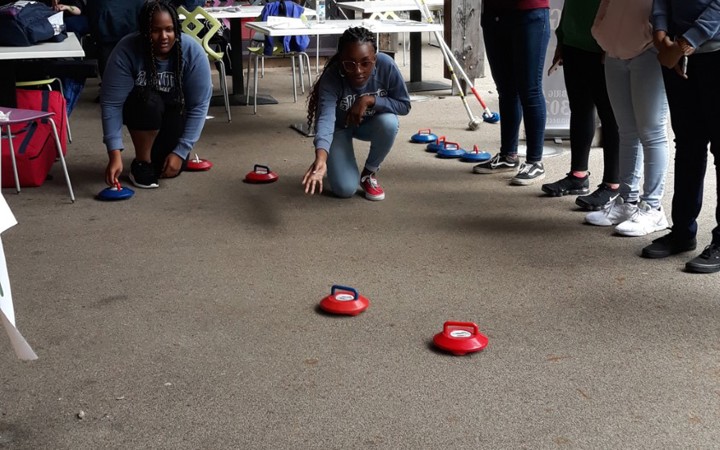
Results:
x,y
440,140
260,166
337,287
447,325
424,131
451,145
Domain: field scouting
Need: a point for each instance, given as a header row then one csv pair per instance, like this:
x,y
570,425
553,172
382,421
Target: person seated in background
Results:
x,y
73,15
159,86
110,21
359,94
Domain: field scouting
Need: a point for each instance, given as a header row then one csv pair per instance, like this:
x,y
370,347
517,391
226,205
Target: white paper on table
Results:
x,y
56,20
7,312
285,23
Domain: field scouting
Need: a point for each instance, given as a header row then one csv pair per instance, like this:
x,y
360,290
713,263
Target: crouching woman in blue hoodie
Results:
x,y
360,94
159,86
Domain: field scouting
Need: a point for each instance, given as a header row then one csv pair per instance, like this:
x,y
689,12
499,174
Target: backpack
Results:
x,y
25,23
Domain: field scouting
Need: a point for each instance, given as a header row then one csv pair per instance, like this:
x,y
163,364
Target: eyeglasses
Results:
x,y
352,66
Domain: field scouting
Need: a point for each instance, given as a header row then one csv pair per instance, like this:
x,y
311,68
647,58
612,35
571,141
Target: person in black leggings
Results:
x,y
583,63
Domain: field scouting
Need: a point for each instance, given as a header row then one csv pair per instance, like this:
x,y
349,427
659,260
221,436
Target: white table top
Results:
x,y
339,27
380,6
69,48
241,12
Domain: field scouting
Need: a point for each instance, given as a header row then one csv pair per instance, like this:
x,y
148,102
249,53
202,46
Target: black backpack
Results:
x,y
25,23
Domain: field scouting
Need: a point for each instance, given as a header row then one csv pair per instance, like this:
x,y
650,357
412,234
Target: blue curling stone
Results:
x,y
433,147
476,156
451,150
423,137
115,193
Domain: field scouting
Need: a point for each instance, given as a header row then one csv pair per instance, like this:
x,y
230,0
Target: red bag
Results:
x,y
34,142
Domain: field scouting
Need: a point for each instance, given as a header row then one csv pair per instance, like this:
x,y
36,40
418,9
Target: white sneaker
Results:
x,y
617,211
646,220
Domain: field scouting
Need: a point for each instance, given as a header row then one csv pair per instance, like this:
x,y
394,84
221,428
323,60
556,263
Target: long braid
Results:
x,y
145,24
355,35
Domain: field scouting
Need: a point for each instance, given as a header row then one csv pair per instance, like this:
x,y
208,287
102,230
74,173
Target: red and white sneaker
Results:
x,y
373,190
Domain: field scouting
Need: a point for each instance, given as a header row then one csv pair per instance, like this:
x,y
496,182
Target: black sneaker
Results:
x,y
496,164
528,173
707,262
142,175
599,199
570,185
668,245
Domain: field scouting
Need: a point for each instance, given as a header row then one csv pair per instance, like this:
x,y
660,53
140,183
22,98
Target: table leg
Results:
x,y
237,96
416,84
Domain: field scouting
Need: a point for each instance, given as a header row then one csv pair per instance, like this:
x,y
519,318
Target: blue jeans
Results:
x,y
342,169
637,94
516,43
695,119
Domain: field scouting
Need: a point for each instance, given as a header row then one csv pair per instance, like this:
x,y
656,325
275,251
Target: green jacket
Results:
x,y
575,24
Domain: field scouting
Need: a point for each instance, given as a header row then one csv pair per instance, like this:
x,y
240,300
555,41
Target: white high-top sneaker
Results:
x,y
617,211
646,220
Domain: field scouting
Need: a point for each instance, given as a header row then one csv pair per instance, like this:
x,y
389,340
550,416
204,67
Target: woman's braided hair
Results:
x,y
145,27
355,35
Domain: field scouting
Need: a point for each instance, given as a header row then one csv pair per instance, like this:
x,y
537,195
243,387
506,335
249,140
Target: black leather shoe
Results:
x,y
668,245
707,262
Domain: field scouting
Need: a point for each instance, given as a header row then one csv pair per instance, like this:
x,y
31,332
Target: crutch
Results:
x,y
474,123
488,116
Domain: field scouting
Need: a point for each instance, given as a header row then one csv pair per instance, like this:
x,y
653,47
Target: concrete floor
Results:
x,y
187,317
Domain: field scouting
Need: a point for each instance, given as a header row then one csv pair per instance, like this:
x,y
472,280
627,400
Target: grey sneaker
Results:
x,y
496,164
529,173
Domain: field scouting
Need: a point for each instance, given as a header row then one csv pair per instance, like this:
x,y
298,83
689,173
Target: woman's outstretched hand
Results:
x,y
114,168
313,178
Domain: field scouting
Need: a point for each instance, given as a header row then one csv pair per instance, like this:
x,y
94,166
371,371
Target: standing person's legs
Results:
x,y
578,66
691,140
686,98
641,107
708,74
499,44
694,117
609,130
619,86
651,114
531,34
607,191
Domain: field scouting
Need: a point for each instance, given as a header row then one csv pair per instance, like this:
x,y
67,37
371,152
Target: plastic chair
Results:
x,y
49,84
194,27
13,116
257,58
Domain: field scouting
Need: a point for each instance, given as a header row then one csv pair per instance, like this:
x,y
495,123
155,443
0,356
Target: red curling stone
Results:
x,y
344,300
460,338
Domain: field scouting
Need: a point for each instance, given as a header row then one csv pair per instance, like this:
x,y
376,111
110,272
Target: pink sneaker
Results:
x,y
372,188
